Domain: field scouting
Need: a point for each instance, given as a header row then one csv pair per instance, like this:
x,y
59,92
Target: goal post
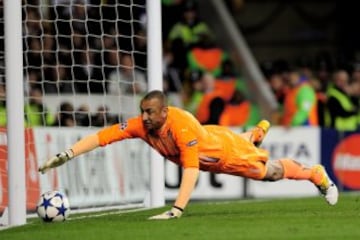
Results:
x,y
157,195
15,106
73,52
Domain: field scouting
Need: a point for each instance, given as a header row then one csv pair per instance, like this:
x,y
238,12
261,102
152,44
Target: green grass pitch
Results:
x,y
304,218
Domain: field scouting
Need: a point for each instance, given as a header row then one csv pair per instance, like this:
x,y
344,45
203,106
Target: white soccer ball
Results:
x,y
53,206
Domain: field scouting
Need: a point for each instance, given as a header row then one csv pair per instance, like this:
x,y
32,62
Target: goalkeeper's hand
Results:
x,y
56,160
174,212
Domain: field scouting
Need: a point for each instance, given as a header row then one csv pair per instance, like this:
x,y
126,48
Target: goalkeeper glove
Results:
x,y
57,160
175,212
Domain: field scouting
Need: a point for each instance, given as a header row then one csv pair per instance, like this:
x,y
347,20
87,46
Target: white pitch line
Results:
x,y
119,212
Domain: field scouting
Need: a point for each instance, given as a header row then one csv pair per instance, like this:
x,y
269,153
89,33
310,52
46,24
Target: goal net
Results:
x,y
84,68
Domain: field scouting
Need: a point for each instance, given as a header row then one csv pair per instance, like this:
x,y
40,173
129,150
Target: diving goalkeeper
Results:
x,y
180,138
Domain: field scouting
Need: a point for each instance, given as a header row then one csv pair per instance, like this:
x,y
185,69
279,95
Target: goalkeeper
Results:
x,y
180,138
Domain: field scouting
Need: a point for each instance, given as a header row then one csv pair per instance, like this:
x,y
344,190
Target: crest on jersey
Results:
x,y
123,125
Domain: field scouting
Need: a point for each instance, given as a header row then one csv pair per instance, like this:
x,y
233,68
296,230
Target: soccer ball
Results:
x,y
53,206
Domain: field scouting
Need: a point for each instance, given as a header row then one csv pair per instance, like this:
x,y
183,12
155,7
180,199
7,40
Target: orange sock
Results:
x,y
295,170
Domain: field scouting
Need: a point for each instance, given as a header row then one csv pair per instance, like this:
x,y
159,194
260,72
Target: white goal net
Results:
x,y
84,68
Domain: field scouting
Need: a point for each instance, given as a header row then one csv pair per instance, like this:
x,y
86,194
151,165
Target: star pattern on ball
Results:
x,y
46,203
62,210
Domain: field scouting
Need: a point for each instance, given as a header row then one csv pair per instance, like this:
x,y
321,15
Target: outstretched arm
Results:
x,y
189,178
188,181
84,145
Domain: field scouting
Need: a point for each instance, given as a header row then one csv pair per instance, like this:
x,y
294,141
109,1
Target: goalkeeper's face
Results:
x,y
153,113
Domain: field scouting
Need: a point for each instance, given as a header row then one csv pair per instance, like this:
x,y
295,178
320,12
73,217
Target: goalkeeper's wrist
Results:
x,y
69,154
178,208
176,212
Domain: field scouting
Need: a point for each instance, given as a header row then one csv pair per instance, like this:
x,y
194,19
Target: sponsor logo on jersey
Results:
x,y
191,143
123,125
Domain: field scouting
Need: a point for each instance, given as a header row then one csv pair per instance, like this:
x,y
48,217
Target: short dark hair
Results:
x,y
156,94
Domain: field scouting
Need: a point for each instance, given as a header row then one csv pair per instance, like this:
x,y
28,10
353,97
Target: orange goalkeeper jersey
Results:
x,y
183,140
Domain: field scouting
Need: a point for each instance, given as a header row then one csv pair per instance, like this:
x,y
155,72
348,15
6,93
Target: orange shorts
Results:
x,y
245,165
238,157
251,165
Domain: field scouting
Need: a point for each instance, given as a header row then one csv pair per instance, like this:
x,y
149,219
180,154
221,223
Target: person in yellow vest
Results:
x,y
2,106
185,33
300,104
190,27
36,113
341,111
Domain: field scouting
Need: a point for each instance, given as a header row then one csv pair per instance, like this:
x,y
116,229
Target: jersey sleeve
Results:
x,y
187,141
130,129
189,153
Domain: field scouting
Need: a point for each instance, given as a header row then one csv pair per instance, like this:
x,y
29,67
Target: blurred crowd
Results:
x,y
99,47
316,92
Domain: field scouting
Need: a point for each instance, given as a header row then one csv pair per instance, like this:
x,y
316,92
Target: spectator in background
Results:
x,y
185,33
354,92
323,68
103,118
321,99
300,106
57,80
126,79
65,115
83,116
205,55
36,113
278,87
31,80
111,60
32,26
88,73
193,91
170,13
189,28
238,111
212,102
65,55
174,77
60,10
33,55
318,85
228,80
3,118
342,113
49,49
140,50
78,16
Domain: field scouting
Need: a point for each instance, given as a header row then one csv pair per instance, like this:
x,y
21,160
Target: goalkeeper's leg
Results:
x,y
290,169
